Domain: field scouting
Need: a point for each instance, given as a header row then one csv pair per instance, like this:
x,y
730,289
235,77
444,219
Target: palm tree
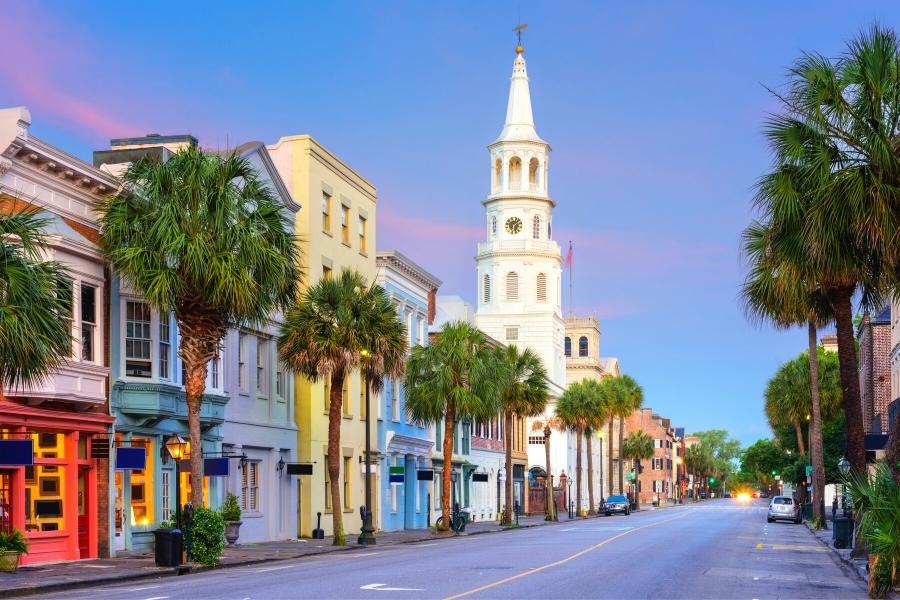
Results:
x,y
595,415
201,236
339,325
629,398
609,408
788,400
546,426
573,409
456,378
525,395
638,446
34,303
836,142
698,461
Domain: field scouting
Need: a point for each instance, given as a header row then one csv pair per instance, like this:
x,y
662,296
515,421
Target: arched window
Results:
x,y
493,225
498,174
568,346
536,228
533,167
542,287
486,289
512,286
582,346
515,174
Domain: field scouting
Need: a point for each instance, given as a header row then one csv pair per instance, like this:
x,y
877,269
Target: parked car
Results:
x,y
784,508
727,495
616,504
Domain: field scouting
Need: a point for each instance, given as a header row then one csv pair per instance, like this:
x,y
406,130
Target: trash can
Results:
x,y
807,511
465,515
168,547
842,532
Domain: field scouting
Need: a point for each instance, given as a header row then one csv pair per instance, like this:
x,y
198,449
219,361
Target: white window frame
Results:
x,y
243,375
168,343
262,366
395,401
94,326
154,339
166,503
394,494
250,487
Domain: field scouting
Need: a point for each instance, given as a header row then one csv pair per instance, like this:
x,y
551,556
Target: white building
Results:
x,y
519,266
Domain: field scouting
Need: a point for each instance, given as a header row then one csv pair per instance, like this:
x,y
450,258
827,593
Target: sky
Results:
x,y
654,111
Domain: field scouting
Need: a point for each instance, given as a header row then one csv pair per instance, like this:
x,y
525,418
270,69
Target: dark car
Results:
x,y
616,504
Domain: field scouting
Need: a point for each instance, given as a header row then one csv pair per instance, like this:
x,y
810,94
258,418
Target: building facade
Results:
x,y
894,406
337,231
874,334
656,481
260,425
60,500
405,446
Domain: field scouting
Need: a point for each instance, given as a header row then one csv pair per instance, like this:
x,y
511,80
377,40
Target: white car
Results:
x,y
784,508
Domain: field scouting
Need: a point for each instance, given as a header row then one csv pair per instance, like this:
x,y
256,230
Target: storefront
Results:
x,y
56,501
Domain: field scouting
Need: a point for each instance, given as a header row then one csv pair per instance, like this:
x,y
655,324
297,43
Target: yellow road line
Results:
x,y
533,570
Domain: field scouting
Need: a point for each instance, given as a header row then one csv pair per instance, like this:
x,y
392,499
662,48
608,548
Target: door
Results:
x,y
84,501
5,503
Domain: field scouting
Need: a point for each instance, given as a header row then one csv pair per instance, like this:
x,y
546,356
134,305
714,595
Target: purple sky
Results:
x,y
653,112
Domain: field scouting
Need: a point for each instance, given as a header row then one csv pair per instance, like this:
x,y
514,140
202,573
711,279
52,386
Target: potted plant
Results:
x,y
231,513
12,546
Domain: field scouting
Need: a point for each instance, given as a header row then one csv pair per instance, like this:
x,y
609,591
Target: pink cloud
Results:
x,y
397,225
46,52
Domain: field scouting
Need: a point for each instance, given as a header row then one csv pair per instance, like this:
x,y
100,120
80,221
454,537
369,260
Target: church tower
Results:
x,y
519,265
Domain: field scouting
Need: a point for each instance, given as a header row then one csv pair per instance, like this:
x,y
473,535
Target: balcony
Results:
x,y
80,382
582,362
159,400
519,246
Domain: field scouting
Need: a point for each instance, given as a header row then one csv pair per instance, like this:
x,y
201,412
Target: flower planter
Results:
x,y
232,531
9,561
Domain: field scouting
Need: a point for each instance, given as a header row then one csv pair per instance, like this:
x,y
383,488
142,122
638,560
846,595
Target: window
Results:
x,y
165,347
486,289
262,377
568,346
214,366
493,225
347,502
137,339
141,513
512,286
327,484
362,234
326,212
345,224
535,440
395,401
242,361
88,321
65,293
393,462
166,496
326,392
542,287
279,379
250,487
512,334
466,437
326,272
345,396
583,346
536,228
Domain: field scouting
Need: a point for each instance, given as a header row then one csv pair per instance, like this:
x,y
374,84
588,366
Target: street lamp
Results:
x,y
178,449
844,468
367,534
569,485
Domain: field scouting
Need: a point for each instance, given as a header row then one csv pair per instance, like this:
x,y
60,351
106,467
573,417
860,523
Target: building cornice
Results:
x,y
405,266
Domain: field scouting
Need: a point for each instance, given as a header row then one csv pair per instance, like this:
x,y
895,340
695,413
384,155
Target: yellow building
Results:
x,y
337,229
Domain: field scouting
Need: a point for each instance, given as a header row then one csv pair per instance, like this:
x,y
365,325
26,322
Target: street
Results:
x,y
717,549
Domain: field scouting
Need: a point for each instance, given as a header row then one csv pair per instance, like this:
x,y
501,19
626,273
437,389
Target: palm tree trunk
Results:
x,y
578,437
590,472
637,484
449,434
199,343
801,446
335,418
551,505
611,471
507,510
815,434
841,300
621,445
893,449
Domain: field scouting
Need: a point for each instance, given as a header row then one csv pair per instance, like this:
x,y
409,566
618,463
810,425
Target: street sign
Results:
x,y
396,474
299,468
808,470
424,475
16,453
482,477
215,467
131,459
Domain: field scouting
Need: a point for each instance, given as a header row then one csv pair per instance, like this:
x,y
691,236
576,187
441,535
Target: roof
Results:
x,y
519,124
404,264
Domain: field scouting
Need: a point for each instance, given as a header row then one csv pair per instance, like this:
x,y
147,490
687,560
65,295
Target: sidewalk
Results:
x,y
857,565
51,577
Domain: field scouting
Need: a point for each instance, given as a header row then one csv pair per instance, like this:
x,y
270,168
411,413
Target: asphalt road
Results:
x,y
718,549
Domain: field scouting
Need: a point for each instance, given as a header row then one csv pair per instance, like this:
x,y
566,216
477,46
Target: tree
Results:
x,y
608,408
724,453
342,324
575,412
546,426
524,395
629,398
698,462
35,302
638,446
596,416
456,378
201,236
839,169
761,461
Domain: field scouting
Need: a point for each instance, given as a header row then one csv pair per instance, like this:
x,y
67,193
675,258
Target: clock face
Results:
x,y
514,225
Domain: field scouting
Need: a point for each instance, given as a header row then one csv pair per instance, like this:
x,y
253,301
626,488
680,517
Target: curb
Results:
x,y
837,557
177,571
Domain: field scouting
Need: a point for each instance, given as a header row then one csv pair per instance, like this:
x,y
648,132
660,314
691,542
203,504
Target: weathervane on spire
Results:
x,y
519,29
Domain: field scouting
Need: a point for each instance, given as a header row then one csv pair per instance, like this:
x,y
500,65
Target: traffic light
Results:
x,y
712,481
631,475
774,472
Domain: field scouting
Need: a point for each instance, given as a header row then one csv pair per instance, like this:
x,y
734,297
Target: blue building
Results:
x,y
404,446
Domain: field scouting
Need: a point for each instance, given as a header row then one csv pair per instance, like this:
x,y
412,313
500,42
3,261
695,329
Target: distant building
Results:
x,y
874,334
656,480
894,406
829,343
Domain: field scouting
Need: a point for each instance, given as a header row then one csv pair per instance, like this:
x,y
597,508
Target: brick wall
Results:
x,y
874,372
643,419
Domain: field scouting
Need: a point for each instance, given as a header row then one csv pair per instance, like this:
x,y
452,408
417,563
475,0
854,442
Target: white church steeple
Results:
x,y
519,126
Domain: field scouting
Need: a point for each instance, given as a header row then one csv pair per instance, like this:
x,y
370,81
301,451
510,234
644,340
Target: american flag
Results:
x,y
569,257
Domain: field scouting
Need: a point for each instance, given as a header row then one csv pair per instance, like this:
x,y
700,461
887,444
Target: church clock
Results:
x,y
514,225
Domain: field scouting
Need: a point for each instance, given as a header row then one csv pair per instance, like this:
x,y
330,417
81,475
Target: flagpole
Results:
x,y
571,269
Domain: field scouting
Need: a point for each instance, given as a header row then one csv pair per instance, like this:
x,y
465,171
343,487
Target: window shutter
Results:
x,y
542,287
512,286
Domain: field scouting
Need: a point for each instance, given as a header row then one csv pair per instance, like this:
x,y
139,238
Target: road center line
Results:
x,y
533,570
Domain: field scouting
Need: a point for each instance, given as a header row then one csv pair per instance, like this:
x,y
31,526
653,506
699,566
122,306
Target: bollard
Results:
x,y
318,533
429,510
517,511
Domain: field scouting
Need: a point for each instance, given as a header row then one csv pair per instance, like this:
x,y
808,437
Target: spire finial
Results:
x,y
519,29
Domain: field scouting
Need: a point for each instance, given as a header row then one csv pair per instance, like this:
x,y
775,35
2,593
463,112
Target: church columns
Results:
x,y
504,176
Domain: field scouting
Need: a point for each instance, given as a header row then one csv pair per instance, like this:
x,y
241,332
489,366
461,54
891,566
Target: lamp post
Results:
x,y
453,478
178,449
844,468
367,534
569,485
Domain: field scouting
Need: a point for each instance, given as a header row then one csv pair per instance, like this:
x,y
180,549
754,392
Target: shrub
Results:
x,y
207,533
231,510
14,541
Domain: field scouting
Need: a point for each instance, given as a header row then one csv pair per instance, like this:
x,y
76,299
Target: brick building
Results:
x,y
874,334
655,482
